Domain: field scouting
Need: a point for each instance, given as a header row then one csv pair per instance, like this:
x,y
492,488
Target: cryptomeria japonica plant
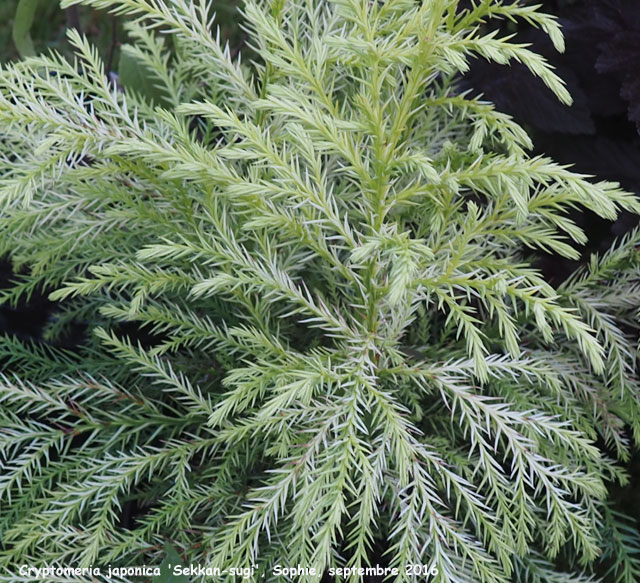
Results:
x,y
349,356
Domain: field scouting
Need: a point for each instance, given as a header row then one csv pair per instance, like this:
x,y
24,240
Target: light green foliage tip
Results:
x,y
351,352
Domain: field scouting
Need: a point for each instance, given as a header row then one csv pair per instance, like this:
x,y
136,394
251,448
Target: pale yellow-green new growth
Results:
x,y
315,330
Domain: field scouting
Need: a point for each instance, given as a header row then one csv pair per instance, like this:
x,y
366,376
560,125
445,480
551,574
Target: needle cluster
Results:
x,y
349,356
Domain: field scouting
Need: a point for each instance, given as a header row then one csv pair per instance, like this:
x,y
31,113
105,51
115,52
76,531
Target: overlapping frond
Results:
x,y
345,354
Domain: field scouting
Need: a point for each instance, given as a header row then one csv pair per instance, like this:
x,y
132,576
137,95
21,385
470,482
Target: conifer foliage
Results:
x,y
349,357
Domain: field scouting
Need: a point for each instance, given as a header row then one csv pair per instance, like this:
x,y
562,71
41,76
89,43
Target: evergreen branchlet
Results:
x,y
350,350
